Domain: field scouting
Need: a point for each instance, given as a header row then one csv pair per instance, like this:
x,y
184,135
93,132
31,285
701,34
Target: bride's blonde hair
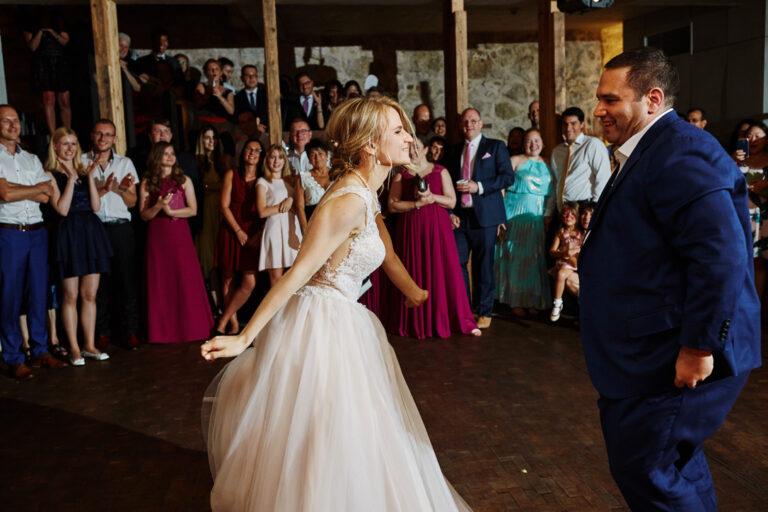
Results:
x,y
356,123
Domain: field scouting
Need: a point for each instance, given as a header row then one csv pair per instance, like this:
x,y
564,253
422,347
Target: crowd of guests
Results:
x,y
167,245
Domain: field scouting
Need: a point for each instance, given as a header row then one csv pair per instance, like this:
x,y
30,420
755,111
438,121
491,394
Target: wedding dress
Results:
x,y
316,416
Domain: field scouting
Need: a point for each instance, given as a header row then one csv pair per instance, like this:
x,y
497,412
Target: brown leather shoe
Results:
x,y
483,322
48,361
22,372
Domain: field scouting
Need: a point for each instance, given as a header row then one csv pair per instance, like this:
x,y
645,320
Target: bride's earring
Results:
x,y
378,162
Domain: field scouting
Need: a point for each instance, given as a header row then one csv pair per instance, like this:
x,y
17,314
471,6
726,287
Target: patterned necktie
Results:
x,y
306,105
466,174
564,175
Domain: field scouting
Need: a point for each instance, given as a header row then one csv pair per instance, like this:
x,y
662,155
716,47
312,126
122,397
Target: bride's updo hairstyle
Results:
x,y
355,123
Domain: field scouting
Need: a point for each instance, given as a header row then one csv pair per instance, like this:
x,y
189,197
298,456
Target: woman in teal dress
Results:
x,y
520,265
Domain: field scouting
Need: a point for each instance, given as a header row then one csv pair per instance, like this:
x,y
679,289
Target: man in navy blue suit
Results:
x,y
669,315
481,169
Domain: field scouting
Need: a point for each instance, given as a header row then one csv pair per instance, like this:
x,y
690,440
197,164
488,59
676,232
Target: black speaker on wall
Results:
x,y
572,6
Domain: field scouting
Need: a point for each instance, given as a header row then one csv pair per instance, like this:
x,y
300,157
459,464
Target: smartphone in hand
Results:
x,y
743,144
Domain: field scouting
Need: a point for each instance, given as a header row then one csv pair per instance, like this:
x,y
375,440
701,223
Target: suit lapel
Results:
x,y
481,150
616,180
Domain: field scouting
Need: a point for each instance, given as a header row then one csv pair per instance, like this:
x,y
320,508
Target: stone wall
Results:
x,y
503,78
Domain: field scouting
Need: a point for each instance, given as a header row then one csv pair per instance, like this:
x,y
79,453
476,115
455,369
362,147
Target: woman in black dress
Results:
x,y
83,250
50,71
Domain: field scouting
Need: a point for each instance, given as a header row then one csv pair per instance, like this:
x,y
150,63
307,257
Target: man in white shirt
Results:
x,y
300,134
581,165
23,250
116,180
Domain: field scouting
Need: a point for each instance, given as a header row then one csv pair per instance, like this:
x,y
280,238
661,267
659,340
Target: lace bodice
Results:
x,y
313,191
366,252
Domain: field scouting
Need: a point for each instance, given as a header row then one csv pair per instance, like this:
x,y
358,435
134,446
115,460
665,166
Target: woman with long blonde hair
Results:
x,y
317,416
82,246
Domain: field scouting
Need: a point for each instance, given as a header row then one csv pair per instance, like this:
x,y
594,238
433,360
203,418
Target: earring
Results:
x,y
378,162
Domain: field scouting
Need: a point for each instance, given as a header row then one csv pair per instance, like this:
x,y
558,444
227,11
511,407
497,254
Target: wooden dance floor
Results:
x,y
512,417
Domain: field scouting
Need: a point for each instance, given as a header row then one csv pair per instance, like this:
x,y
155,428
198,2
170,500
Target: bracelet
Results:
x,y
416,205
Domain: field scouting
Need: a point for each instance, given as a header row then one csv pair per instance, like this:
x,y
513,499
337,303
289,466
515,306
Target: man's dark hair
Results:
x,y
692,110
574,111
317,144
648,68
104,120
242,69
298,77
223,61
162,121
157,32
439,139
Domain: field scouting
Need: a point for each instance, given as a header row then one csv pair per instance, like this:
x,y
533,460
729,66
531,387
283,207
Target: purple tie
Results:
x,y
306,105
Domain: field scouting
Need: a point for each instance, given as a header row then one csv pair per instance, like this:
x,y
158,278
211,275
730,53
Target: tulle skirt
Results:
x,y
316,416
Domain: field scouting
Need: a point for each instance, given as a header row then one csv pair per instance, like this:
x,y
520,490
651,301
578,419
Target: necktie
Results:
x,y
252,99
561,184
306,105
614,160
466,173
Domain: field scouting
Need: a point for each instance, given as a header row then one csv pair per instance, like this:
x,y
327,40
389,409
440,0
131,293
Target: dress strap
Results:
x,y
358,190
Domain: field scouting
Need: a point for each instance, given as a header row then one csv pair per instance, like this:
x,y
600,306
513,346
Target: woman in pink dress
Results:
x,y
424,241
177,305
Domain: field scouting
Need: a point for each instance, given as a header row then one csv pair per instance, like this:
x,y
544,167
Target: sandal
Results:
x,y
59,352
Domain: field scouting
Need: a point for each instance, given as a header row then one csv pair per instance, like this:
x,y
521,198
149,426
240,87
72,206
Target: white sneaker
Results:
x,y
556,310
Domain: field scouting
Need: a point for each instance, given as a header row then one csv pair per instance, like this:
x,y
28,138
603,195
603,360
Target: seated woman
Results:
x,y
566,248
425,243
177,305
82,246
313,183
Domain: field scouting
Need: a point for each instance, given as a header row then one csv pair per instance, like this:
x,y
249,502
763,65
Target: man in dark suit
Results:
x,y
308,105
670,319
252,97
481,169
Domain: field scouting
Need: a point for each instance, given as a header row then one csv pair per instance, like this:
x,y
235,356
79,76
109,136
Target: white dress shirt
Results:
x,y
472,154
21,168
113,208
590,169
299,162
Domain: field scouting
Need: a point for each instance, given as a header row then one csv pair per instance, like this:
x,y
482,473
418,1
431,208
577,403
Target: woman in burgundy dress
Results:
x,y
239,235
177,305
424,241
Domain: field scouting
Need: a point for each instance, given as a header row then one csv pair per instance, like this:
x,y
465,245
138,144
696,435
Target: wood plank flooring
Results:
x,y
512,417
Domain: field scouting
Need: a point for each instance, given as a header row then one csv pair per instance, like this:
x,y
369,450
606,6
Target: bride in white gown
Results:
x,y
317,416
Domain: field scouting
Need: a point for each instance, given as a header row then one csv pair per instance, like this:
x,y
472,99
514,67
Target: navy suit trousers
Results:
x,y
479,241
654,444
23,281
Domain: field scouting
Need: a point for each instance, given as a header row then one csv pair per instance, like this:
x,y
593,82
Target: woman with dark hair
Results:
x,y
313,183
239,234
440,127
177,305
189,74
334,95
352,90
424,240
212,166
46,40
515,141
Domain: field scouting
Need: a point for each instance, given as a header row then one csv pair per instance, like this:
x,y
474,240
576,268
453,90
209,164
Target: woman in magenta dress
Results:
x,y
424,241
177,305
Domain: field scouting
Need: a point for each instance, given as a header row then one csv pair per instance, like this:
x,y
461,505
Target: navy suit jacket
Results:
x,y
296,111
242,104
493,169
667,262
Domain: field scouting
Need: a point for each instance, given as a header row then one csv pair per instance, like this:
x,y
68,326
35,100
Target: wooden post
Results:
x,y
551,72
108,79
456,69
272,72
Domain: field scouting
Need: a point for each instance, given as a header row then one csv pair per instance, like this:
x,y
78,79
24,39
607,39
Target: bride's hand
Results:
x,y
223,346
417,300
